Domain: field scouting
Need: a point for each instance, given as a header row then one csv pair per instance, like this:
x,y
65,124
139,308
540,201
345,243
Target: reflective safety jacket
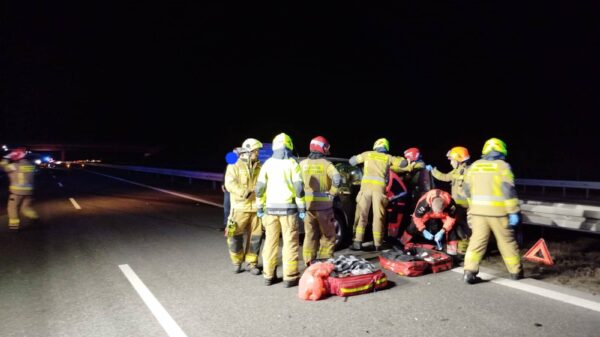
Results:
x,y
240,181
456,178
490,188
376,166
20,174
280,188
321,182
424,213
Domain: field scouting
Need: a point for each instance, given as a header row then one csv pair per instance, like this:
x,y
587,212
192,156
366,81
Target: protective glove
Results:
x,y
260,212
428,167
301,215
427,235
513,219
439,237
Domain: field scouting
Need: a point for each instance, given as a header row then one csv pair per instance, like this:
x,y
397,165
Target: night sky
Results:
x,y
421,74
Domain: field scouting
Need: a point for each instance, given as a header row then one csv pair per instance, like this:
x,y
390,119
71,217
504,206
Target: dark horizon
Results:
x,y
424,75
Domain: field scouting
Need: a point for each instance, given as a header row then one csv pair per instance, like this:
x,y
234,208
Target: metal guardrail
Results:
x,y
568,216
211,176
564,184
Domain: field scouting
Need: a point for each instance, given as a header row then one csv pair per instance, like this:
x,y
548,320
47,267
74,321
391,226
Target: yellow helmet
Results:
x,y
458,153
494,144
251,144
282,141
382,142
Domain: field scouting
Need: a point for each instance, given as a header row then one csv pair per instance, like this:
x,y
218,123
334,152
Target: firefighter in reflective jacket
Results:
x,y
493,207
321,183
372,190
281,191
433,219
20,173
459,160
240,181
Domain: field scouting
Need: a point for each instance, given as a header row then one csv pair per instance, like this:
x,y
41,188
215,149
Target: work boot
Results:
x,y
270,281
378,248
237,268
517,276
471,277
254,270
356,245
290,283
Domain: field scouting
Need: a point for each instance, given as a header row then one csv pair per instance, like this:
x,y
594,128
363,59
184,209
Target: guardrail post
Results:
x,y
564,191
587,193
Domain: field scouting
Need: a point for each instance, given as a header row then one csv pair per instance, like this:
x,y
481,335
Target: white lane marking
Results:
x,y
153,304
60,184
75,204
555,295
177,194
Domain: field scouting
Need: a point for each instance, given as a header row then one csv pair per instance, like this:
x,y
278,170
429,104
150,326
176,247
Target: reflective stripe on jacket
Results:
x,y
241,178
279,187
490,188
20,174
319,176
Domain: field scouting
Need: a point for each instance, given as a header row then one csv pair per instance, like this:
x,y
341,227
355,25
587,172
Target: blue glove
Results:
x,y
428,167
513,219
439,237
260,213
301,215
427,235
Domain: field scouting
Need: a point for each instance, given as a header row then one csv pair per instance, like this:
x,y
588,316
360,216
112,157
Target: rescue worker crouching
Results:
x,y
372,193
21,176
433,220
321,182
281,191
493,208
240,181
459,160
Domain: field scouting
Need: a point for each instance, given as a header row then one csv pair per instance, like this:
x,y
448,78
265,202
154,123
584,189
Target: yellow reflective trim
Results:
x,y
374,182
357,289
512,260
360,229
381,280
292,263
511,202
377,234
26,168
487,203
14,221
21,188
473,256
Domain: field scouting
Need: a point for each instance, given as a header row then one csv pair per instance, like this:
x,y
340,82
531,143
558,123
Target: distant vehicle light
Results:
x,y
38,161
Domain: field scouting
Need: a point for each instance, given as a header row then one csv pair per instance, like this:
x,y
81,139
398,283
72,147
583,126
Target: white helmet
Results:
x,y
251,144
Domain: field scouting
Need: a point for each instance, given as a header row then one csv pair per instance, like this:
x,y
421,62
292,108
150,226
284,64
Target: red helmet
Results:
x,y
412,154
319,144
17,154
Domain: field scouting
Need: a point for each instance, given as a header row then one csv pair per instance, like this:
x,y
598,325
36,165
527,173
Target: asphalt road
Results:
x,y
67,275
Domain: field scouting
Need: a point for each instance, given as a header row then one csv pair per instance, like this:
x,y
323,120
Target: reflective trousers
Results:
x,y
482,227
365,200
287,227
319,238
18,203
245,243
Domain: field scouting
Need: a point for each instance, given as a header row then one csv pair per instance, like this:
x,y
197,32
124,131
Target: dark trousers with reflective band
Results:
x,y
412,234
18,203
245,243
287,227
364,201
482,227
319,238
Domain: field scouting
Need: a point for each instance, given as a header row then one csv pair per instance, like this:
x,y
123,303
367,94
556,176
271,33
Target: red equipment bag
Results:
x,y
438,261
356,284
404,268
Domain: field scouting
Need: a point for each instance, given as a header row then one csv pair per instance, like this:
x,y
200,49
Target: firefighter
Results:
x,y
493,207
418,179
20,173
280,190
372,190
433,220
459,160
321,183
240,182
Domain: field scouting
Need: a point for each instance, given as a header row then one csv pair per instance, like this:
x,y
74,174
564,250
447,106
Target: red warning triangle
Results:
x,y
541,248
